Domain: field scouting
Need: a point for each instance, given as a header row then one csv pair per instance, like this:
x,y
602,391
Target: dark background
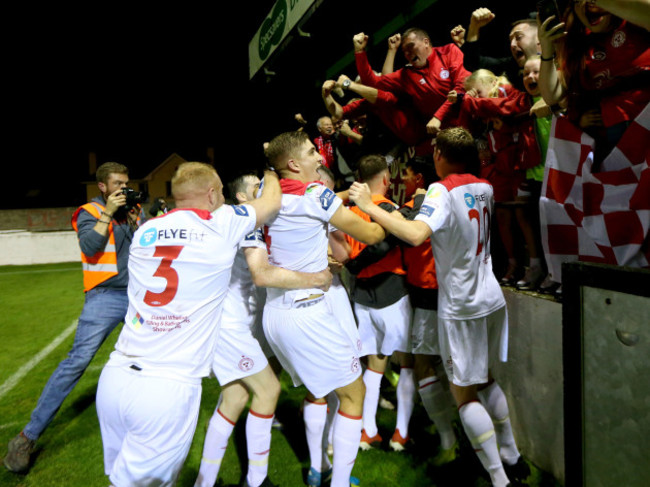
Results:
x,y
135,85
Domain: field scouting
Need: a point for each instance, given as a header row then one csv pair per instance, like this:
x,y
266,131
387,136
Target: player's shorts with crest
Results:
x,y
385,330
147,425
238,354
469,347
424,332
312,345
339,302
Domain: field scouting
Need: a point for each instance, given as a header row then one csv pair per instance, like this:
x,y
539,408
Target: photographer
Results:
x,y
105,229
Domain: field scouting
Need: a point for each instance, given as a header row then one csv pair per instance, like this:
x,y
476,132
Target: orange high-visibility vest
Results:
x,y
391,262
103,265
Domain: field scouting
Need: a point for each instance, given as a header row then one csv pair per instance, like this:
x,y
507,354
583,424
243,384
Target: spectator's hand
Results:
x,y
433,127
540,109
394,42
114,201
547,37
360,42
299,119
471,93
452,96
346,129
591,118
360,194
458,35
323,279
327,88
339,82
480,18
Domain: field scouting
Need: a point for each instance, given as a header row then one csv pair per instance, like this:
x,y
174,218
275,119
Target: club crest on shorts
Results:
x,y
356,365
246,364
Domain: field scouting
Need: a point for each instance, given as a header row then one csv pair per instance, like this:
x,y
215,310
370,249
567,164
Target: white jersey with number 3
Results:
x,y
459,210
179,270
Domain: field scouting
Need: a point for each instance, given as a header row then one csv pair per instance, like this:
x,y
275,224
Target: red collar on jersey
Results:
x,y
202,214
454,180
293,186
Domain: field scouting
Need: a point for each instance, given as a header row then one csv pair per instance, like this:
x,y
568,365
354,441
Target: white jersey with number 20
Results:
x,y
459,210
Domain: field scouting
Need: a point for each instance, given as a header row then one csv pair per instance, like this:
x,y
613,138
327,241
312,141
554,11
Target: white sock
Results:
x,y
315,415
480,431
372,380
347,434
332,408
495,403
216,441
258,444
405,400
438,408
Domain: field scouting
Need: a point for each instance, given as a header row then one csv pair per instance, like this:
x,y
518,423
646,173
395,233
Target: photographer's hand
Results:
x,y
114,201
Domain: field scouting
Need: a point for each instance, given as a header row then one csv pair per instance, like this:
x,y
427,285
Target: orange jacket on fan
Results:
x,y
392,262
103,265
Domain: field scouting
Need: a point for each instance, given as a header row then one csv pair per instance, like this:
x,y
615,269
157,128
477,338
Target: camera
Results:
x,y
134,198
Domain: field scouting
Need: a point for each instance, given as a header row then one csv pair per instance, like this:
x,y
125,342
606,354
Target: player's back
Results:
x,y
179,270
459,210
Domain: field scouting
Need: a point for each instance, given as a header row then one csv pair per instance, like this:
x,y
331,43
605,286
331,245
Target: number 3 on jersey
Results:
x,y
167,272
484,236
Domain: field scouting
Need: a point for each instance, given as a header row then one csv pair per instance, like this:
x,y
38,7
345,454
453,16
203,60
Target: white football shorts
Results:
x,y
385,330
470,347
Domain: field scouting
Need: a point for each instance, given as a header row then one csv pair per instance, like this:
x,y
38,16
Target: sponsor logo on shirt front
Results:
x,y
444,73
240,210
174,234
426,210
469,200
148,237
326,198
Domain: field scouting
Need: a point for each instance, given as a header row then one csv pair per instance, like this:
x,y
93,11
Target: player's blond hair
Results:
x,y
486,77
284,147
191,177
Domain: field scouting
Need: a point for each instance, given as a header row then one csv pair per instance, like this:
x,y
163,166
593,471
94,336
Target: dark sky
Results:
x,y
135,85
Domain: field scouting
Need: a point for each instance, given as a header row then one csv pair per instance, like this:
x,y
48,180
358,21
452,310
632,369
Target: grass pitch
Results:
x,y
39,302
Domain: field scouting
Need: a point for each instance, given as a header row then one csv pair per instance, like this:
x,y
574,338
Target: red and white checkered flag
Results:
x,y
596,217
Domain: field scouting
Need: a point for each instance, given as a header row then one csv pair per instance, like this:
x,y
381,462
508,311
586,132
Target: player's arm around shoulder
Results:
x,y
412,232
265,274
268,204
369,233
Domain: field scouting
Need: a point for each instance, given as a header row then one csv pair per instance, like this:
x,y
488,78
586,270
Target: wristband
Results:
x,y
103,221
547,58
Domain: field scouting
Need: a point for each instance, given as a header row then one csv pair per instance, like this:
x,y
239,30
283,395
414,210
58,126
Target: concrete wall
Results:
x,y
24,248
533,379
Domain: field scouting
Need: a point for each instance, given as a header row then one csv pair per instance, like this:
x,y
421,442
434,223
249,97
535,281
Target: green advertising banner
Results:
x,y
284,15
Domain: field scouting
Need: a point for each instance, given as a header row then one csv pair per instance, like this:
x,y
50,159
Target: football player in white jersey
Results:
x,y
307,337
472,318
240,362
149,392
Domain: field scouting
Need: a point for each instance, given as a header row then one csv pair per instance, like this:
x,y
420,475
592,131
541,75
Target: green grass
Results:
x,y
40,301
